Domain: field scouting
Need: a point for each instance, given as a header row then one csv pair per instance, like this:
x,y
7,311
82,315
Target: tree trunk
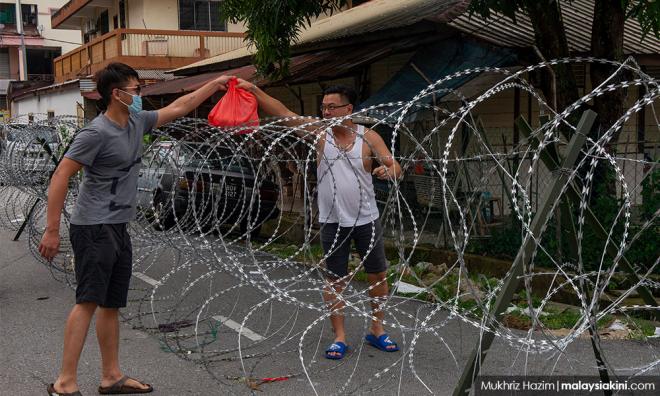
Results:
x,y
550,38
607,43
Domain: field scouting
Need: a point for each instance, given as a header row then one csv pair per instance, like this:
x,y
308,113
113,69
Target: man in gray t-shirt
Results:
x,y
109,150
111,158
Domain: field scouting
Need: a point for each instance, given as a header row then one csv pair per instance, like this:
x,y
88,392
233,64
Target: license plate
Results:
x,y
228,190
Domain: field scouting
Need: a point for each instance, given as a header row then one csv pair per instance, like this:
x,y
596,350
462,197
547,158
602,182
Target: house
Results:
x,y
152,36
42,44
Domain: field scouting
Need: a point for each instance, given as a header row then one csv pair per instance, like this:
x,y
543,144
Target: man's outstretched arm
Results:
x,y
267,103
275,108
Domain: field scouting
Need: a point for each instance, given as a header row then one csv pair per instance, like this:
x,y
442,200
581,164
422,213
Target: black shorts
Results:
x,y
337,261
103,262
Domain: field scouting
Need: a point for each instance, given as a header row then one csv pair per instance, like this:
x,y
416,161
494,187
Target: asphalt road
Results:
x,y
179,333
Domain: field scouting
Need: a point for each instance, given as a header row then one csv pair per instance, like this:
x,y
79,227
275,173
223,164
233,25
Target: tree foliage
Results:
x,y
647,12
508,8
272,25
606,41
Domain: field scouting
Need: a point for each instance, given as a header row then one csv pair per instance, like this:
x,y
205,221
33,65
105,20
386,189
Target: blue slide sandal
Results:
x,y
382,342
339,348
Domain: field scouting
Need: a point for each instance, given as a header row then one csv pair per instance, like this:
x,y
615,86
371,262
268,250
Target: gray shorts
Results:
x,y
337,261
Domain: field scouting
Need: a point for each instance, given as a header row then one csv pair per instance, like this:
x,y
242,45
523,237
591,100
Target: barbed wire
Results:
x,y
213,220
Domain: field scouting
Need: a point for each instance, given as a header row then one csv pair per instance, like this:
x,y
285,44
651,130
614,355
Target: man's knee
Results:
x,y
86,306
105,311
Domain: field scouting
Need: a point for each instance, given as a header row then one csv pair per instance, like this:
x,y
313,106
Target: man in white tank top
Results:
x,y
347,204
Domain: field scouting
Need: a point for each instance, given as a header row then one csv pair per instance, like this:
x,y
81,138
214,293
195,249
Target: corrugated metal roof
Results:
x,y
380,15
369,17
154,75
577,17
335,63
320,65
4,86
19,94
87,85
189,84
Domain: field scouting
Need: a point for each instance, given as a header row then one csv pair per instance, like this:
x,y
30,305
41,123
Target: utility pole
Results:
x,y
22,60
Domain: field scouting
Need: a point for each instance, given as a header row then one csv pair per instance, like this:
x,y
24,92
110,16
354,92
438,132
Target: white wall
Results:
x,y
135,14
155,14
159,14
62,101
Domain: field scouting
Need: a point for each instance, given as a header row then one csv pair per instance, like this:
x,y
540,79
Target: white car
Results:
x,y
193,183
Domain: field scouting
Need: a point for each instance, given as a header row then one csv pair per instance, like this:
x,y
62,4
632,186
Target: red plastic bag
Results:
x,y
237,107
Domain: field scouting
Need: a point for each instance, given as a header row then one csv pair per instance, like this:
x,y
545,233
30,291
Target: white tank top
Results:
x,y
345,190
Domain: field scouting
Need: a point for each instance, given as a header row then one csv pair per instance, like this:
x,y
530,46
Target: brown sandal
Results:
x,y
52,392
120,388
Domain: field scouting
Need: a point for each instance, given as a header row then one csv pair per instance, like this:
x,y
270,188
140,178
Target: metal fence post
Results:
x,y
473,366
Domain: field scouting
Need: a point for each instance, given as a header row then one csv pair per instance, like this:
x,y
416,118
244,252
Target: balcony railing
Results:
x,y
144,49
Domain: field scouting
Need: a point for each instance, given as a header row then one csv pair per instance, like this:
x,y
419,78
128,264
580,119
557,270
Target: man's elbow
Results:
x,y
289,114
60,176
396,169
176,110
58,181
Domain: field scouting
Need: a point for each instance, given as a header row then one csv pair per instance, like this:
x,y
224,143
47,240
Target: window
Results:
x,y
8,14
103,22
122,14
201,15
40,62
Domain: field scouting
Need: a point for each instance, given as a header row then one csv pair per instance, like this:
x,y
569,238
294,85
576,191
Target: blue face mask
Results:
x,y
136,105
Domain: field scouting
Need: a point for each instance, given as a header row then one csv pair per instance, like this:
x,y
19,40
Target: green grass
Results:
x,y
445,290
561,320
564,319
472,307
639,328
361,276
315,252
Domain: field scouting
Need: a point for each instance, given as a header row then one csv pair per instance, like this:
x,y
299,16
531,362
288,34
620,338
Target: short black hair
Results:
x,y
115,75
347,92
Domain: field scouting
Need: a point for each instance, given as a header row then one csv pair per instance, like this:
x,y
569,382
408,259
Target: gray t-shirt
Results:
x,y
111,157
